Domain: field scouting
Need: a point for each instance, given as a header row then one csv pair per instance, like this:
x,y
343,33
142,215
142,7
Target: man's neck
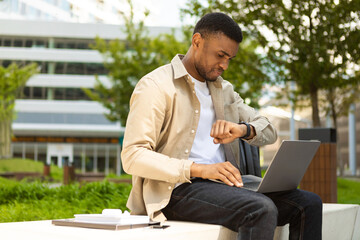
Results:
x,y
190,67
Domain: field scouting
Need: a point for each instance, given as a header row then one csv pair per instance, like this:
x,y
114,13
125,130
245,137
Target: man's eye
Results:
x,y
221,55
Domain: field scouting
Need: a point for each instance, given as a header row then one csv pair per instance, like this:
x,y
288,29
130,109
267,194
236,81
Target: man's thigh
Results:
x,y
302,209
294,202
210,202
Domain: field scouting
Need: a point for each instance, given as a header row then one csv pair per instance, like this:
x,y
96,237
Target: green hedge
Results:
x,y
28,165
23,201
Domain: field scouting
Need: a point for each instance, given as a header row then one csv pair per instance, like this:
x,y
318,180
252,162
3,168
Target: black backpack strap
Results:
x,y
249,159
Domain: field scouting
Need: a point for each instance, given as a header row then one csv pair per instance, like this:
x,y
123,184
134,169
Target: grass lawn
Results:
x,y
20,165
348,191
28,165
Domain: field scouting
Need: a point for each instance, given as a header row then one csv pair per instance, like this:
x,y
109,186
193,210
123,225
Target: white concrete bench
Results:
x,y
340,221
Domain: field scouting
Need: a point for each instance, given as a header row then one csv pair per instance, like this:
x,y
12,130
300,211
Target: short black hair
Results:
x,y
216,22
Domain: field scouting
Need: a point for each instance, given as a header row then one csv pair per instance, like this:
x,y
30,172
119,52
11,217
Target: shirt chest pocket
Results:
x,y
231,112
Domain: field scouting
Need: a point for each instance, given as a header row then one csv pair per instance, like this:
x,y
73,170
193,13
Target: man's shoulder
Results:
x,y
227,86
229,93
160,75
169,72
161,79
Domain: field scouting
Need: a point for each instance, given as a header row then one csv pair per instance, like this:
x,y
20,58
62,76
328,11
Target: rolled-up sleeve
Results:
x,y
265,131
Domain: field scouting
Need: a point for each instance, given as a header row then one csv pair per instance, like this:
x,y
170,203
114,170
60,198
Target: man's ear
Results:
x,y
196,40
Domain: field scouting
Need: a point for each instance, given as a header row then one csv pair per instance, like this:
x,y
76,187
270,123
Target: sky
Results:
x,y
162,12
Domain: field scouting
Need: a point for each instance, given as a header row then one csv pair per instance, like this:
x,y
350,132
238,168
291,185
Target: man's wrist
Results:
x,y
195,170
248,130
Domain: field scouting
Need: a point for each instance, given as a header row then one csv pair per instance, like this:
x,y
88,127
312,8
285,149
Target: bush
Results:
x,y
23,201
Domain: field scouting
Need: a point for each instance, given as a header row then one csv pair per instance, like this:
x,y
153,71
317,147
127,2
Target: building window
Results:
x,y
6,63
66,68
40,44
40,93
26,93
18,43
23,9
28,43
7,42
15,5
73,44
44,43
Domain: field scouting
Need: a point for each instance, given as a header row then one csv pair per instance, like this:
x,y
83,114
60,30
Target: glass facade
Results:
x,y
64,67
62,118
91,152
61,43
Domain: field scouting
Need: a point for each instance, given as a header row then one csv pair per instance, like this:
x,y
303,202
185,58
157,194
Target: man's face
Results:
x,y
213,55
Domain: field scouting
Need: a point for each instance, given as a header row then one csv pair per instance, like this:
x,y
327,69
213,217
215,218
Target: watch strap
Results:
x,y
248,130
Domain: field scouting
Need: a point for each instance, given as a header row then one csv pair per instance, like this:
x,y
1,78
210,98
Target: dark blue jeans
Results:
x,y
252,215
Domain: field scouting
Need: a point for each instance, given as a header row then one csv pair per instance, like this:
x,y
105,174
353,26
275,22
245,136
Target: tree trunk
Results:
x,y
5,138
315,107
331,98
340,163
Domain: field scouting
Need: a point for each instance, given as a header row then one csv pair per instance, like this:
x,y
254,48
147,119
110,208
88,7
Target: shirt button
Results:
x,y
169,187
187,151
193,131
196,111
194,91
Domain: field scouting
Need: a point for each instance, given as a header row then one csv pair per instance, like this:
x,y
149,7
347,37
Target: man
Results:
x,y
183,129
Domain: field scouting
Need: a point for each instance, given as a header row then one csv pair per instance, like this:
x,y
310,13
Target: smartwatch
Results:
x,y
248,130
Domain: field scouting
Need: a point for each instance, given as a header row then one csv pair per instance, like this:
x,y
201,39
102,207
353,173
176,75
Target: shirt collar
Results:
x,y
180,70
178,66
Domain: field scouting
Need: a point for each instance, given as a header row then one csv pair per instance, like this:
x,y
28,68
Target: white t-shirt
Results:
x,y
203,150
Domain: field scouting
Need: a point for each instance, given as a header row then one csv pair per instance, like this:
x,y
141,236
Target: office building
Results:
x,y
55,121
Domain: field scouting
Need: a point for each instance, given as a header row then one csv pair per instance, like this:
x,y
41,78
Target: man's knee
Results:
x,y
314,202
265,209
261,223
270,208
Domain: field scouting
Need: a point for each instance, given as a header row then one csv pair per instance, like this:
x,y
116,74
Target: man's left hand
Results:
x,y
225,132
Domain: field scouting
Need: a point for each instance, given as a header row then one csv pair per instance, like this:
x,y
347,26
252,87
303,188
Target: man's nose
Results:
x,y
224,64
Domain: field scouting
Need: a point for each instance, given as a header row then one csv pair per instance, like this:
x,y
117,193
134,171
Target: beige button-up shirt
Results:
x,y
160,131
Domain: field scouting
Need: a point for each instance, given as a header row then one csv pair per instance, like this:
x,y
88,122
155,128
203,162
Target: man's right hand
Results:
x,y
225,172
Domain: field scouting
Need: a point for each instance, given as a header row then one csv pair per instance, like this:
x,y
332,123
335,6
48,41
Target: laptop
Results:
x,y
286,169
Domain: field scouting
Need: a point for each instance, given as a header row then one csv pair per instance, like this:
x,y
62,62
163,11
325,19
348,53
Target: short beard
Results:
x,y
203,74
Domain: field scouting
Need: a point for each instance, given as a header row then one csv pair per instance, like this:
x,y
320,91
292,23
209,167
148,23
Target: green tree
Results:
x,y
12,81
128,60
247,72
313,43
